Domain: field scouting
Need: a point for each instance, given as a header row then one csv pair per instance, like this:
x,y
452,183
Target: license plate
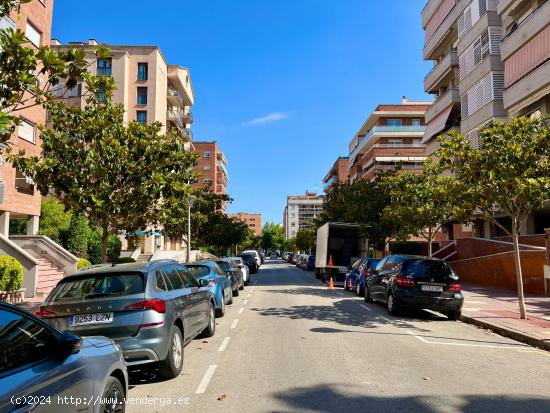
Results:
x,y
432,288
90,319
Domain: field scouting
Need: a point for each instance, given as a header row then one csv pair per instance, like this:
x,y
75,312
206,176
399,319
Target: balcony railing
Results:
x,y
175,93
222,167
386,129
442,102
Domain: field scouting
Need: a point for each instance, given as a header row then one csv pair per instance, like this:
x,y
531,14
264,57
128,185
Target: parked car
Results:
x,y
151,310
303,261
39,362
352,275
234,273
244,268
262,257
250,262
414,282
294,258
273,256
256,256
365,270
289,257
218,282
310,263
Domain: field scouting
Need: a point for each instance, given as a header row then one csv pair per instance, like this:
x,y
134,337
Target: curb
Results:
x,y
515,335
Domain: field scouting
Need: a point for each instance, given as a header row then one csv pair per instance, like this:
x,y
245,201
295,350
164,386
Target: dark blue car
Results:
x,y
365,271
355,278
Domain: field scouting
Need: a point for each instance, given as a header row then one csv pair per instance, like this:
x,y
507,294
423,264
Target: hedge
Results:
x,y
82,262
11,274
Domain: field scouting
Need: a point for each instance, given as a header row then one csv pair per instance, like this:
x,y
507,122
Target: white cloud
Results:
x,y
269,118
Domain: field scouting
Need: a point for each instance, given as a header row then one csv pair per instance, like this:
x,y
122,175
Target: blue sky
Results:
x,y
281,85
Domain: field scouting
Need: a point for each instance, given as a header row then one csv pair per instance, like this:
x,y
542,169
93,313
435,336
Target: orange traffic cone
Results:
x,y
331,284
330,264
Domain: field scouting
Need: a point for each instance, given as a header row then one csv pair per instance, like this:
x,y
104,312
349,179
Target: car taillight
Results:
x,y
454,286
241,266
404,281
212,282
44,313
155,304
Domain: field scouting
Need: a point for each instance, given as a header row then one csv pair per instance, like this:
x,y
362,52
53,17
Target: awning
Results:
x,y
400,158
155,233
437,124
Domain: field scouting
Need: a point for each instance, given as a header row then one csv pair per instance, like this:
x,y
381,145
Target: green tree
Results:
x,y
54,219
75,237
30,76
113,174
223,233
509,174
423,203
306,238
273,237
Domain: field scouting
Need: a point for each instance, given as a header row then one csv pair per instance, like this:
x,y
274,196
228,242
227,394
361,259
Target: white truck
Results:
x,y
339,245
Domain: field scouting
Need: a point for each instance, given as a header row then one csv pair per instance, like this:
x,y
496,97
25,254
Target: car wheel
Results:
x,y
393,308
346,286
454,315
357,288
242,286
112,399
172,365
220,312
230,298
236,292
210,329
368,298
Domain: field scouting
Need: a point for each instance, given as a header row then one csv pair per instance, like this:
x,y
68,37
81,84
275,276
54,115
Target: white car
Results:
x,y
244,268
256,256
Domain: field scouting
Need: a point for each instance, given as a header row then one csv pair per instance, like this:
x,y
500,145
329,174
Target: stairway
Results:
x,y
48,275
144,257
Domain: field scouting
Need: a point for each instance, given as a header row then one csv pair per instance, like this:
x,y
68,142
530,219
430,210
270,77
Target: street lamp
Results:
x,y
190,200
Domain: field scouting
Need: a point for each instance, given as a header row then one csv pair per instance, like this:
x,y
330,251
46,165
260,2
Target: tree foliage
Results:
x,y
306,238
509,174
273,237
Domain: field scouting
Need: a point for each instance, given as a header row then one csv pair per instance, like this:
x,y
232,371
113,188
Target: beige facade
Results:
x,y
300,210
20,199
253,221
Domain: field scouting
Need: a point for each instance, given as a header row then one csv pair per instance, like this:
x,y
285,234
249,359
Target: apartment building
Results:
x,y
19,198
300,210
212,167
390,137
149,88
338,173
254,221
462,39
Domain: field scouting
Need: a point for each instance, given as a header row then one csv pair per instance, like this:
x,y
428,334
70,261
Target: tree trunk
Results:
x,y
430,239
104,237
517,261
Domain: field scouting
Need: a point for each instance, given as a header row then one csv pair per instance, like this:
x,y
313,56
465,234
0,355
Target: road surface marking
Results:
x,y
385,319
241,310
206,379
366,308
224,344
235,322
245,302
248,296
518,347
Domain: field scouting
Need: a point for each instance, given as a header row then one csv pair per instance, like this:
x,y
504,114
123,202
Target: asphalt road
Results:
x,y
289,344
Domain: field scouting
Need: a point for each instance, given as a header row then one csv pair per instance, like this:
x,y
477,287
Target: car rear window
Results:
x,y
98,286
225,266
371,265
198,270
419,268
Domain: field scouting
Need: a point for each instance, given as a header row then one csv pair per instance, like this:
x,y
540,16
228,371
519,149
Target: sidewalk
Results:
x,y
498,310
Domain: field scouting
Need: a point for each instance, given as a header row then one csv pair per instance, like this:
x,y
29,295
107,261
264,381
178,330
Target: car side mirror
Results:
x,y
69,343
203,282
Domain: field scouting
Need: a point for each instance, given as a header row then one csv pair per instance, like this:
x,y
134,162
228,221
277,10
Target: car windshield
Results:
x,y
420,268
98,285
198,270
371,265
225,265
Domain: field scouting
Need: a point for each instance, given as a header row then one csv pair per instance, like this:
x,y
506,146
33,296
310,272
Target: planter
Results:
x,y
13,297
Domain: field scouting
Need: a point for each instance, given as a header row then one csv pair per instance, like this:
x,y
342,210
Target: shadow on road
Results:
x,y
334,398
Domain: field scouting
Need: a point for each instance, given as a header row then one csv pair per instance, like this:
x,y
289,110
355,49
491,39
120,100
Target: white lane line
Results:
x,y
366,308
241,310
245,302
206,379
235,322
224,344
385,319
248,296
467,344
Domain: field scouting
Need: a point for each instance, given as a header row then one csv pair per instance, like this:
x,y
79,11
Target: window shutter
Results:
x,y
495,34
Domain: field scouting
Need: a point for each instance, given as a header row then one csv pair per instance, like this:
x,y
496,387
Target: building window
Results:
x,y
395,142
207,181
207,154
143,71
23,183
75,91
141,95
394,122
104,67
416,122
33,34
141,116
207,167
26,131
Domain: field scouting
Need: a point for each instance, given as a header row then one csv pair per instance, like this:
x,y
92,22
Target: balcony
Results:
x,y
188,117
389,131
222,178
329,183
221,157
442,29
528,28
222,167
441,73
175,115
442,102
174,97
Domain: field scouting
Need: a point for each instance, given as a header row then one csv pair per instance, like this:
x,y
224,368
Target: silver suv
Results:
x,y
151,310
